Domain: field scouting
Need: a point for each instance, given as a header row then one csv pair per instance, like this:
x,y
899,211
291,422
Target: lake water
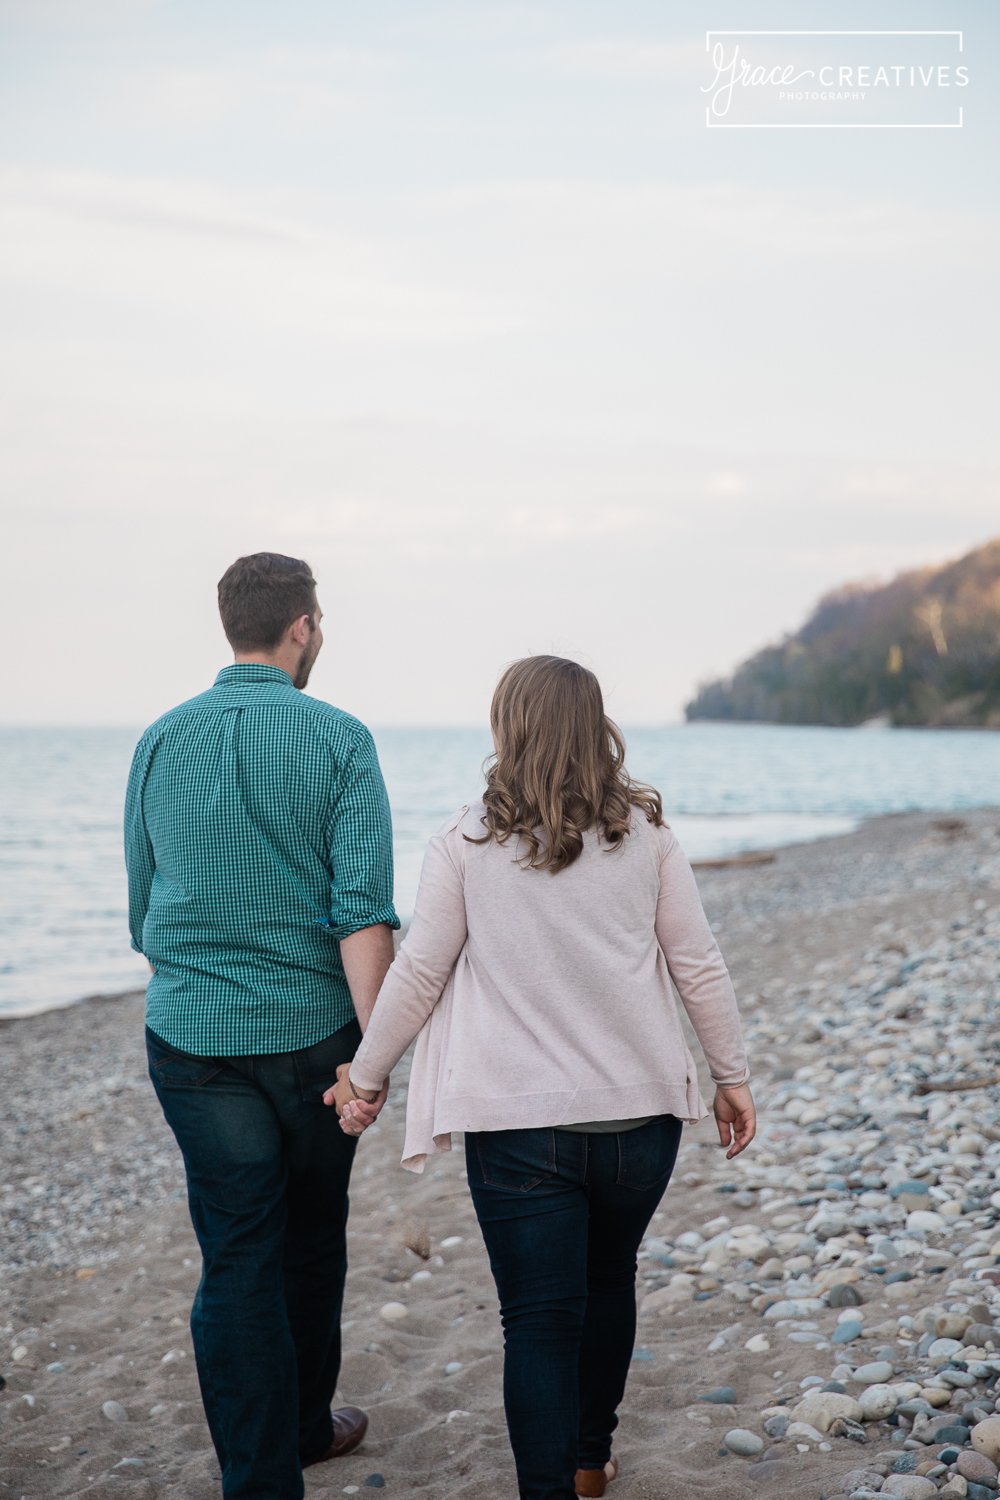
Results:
x,y
726,788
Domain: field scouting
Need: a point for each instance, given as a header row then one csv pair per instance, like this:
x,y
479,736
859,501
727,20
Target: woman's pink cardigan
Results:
x,y
545,999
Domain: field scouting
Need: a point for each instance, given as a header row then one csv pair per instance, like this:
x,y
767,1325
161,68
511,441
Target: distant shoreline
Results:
x,y
867,724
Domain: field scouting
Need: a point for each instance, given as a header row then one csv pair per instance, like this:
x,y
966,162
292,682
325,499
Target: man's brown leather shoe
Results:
x,y
349,1426
595,1481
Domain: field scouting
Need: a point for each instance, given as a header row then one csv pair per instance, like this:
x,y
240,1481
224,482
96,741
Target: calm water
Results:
x,y
727,788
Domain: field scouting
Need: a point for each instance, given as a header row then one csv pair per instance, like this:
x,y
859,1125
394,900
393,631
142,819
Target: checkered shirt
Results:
x,y
257,835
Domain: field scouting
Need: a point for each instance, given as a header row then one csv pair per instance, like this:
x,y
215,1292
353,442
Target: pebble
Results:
x,y
452,1367
982,1335
740,1440
861,1479
375,1482
925,1221
976,1466
944,1349
394,1312
878,1402
802,1307
986,1438
878,1371
114,1411
908,1487
723,1395
844,1294
821,1408
952,1326
803,1432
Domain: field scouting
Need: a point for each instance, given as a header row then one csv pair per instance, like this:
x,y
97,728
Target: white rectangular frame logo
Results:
x,y
833,124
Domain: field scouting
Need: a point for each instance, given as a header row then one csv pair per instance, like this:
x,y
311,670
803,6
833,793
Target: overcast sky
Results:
x,y
464,304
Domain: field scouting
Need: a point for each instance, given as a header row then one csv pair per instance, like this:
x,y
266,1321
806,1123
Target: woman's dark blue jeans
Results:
x,y
268,1169
563,1215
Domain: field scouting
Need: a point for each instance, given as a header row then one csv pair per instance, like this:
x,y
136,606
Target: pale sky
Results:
x,y
464,304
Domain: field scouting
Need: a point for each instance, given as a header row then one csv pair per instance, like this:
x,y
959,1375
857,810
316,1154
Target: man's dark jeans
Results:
x,y
268,1169
563,1215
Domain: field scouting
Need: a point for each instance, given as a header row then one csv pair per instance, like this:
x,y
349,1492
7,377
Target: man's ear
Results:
x,y
300,630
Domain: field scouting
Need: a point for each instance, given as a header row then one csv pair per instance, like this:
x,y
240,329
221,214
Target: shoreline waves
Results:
x,y
727,789
857,1241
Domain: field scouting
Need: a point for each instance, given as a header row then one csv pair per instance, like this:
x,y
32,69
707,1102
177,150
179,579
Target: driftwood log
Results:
x,y
954,1085
755,857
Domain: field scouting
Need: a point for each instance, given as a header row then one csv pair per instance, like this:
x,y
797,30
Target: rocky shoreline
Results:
x,y
820,1318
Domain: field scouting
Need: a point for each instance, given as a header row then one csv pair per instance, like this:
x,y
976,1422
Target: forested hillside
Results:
x,y
923,649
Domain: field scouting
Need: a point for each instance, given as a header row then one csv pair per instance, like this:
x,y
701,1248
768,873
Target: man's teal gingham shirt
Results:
x,y
257,834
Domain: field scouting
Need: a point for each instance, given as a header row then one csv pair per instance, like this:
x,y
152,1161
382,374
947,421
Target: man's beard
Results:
x,y
305,665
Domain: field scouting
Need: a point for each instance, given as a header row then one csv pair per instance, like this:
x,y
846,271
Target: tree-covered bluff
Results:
x,y
921,650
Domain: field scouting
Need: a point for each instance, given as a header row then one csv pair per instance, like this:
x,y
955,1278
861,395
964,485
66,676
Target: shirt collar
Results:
x,y
251,671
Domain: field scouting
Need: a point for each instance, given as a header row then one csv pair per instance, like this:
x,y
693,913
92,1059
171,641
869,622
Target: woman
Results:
x,y
550,919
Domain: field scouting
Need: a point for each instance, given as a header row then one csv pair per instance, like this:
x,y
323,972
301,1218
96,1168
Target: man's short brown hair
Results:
x,y
260,596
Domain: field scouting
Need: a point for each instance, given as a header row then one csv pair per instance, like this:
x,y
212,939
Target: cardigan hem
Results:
x,y
429,1135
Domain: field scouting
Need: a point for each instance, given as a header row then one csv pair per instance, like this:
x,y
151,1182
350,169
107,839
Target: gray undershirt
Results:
x,y
607,1127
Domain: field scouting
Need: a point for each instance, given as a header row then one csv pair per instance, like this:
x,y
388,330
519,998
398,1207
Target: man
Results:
x,y
259,853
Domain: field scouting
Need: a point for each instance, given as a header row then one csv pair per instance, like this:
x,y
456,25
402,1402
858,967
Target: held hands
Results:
x,y
735,1116
355,1114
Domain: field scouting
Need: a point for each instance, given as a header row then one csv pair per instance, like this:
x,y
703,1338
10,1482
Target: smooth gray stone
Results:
x,y
744,1442
859,1479
915,1407
844,1294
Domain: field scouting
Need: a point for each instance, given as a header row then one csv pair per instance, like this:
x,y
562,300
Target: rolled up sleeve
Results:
x,y
359,839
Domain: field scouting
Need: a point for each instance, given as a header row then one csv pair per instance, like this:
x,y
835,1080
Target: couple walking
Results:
x,y
535,977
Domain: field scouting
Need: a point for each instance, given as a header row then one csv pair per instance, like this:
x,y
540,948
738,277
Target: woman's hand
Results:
x,y
735,1116
355,1114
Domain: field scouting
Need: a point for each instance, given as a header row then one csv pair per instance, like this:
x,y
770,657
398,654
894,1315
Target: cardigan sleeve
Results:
x,y
426,957
697,967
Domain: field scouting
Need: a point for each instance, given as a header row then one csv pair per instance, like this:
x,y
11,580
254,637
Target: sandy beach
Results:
x,y
864,965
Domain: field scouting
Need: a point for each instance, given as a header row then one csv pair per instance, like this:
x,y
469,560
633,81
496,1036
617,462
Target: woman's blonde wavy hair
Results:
x,y
559,765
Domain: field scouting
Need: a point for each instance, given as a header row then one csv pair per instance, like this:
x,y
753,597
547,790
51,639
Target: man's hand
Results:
x,y
355,1114
735,1116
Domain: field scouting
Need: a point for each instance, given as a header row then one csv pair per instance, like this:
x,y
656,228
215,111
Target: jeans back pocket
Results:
x,y
517,1160
646,1156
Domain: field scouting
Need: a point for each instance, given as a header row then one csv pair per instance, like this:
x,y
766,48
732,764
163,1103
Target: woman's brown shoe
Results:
x,y
595,1481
